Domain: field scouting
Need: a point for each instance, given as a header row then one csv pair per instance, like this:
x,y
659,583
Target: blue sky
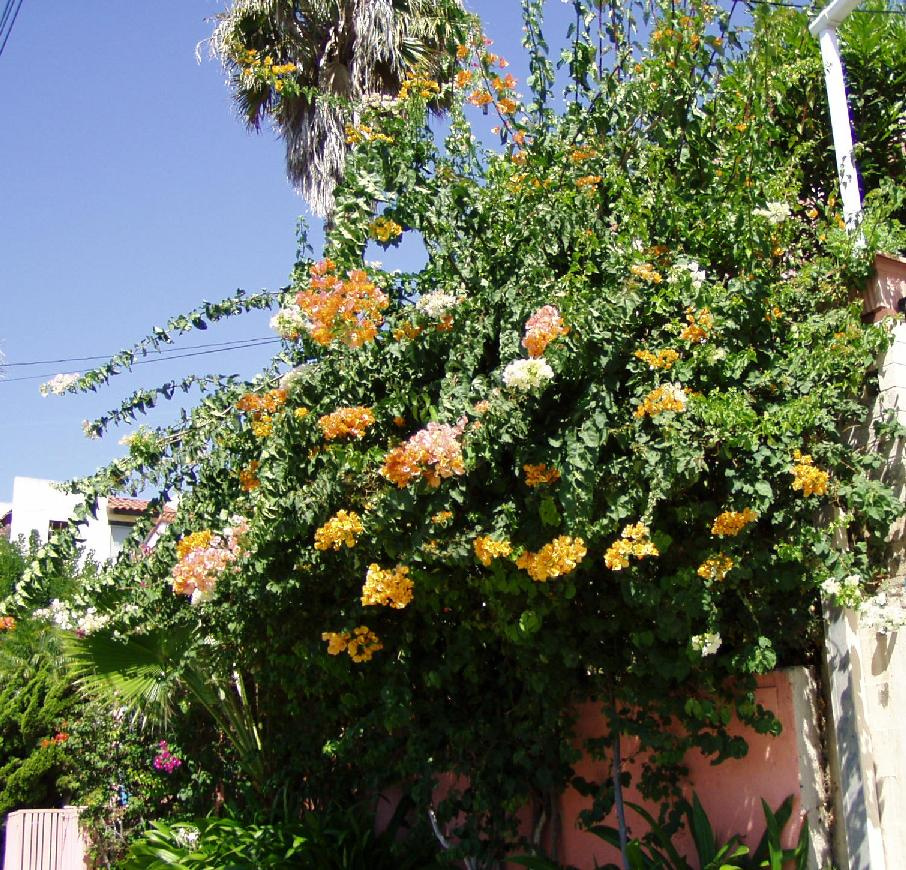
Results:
x,y
129,192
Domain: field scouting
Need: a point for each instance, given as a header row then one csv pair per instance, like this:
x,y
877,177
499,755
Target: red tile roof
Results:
x,y
127,505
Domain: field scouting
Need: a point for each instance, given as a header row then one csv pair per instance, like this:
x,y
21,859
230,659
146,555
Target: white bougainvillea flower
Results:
x,y
707,644
683,268
59,384
526,375
774,212
437,303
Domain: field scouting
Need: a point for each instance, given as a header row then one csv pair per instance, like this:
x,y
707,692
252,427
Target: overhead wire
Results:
x,y
237,346
12,21
224,344
784,4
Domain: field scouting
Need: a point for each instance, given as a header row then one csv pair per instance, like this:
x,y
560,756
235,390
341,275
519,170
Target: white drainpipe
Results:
x,y
824,29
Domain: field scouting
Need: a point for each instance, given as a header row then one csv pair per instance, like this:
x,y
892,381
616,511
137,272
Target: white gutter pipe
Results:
x,y
824,29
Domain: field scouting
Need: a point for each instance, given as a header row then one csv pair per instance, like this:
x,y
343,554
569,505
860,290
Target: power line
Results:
x,y
9,29
7,9
809,8
251,343
223,344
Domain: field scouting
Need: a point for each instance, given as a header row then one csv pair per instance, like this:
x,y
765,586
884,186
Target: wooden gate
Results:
x,y
43,840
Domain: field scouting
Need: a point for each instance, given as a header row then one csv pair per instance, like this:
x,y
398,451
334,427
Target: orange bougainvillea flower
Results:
x,y
352,422
344,527
360,644
341,309
662,359
540,474
633,541
487,549
730,523
248,477
432,453
541,329
560,556
699,326
258,404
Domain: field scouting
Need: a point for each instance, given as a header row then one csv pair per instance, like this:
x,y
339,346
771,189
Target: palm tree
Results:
x,y
310,65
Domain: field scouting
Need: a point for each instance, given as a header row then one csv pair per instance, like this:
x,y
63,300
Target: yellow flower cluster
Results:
x,y
264,68
646,272
348,309
662,359
361,643
355,135
342,528
263,426
407,330
731,523
352,422
300,413
261,407
7,623
668,397
715,567
540,474
248,477
633,541
415,84
390,587
560,556
194,541
488,549
384,229
441,518
699,326
808,478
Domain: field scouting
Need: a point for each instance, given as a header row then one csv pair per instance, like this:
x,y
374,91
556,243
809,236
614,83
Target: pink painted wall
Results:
x,y
730,792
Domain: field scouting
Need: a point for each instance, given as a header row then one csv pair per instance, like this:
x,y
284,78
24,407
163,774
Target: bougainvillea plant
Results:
x,y
599,447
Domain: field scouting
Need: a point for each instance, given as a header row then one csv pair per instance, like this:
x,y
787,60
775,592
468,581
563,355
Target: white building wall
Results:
x,y
38,503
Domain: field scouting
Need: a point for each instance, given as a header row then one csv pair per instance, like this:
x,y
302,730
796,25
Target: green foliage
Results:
x,y
12,566
656,850
34,704
334,840
57,747
702,364
36,699
110,773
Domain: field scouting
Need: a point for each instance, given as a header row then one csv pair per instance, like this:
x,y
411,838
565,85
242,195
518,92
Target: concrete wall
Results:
x,y
865,676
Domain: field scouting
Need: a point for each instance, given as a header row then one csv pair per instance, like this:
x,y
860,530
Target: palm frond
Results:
x,y
142,673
